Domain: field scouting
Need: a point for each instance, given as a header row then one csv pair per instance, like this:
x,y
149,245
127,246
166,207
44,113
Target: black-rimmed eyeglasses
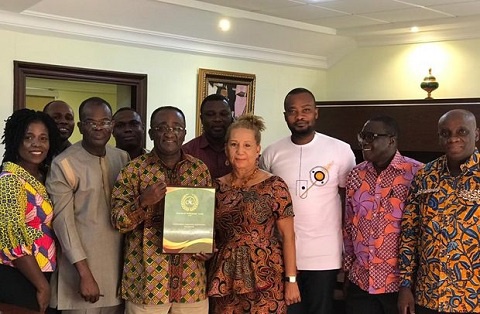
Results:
x,y
369,137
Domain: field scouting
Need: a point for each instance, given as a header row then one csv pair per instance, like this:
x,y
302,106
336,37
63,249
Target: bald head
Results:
x,y
457,133
465,115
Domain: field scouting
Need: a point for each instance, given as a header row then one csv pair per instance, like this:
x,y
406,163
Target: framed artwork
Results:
x,y
239,88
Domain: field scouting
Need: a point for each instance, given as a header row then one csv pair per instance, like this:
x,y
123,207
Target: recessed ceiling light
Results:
x,y
224,25
414,29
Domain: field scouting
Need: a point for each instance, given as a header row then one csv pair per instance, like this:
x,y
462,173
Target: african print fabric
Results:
x,y
440,238
25,219
247,271
373,211
149,276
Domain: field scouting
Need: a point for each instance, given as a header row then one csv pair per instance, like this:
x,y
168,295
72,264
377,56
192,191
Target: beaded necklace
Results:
x,y
244,182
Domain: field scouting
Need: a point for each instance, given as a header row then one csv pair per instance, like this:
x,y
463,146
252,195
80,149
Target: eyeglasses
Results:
x,y
165,129
369,137
97,124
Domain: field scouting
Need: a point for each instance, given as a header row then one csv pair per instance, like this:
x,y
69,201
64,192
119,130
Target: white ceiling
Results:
x,y
310,33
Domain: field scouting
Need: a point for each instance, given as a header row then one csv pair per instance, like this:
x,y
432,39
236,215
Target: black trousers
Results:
x,y
316,290
16,289
359,301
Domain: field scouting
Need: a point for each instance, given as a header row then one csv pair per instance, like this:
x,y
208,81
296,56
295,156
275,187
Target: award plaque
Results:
x,y
188,220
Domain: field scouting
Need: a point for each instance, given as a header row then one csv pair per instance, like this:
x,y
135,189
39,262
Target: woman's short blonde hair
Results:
x,y
250,122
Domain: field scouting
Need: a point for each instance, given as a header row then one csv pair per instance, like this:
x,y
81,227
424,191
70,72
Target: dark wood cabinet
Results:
x,y
417,120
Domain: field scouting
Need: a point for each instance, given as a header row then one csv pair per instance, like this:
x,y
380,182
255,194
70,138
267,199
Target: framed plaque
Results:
x,y
188,220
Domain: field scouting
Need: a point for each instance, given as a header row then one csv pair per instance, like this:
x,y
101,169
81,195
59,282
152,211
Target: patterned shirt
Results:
x,y
25,219
374,205
149,276
440,238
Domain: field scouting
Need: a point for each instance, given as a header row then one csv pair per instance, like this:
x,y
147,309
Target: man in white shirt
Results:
x,y
315,167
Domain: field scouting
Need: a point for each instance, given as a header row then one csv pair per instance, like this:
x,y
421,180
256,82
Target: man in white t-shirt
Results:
x,y
315,167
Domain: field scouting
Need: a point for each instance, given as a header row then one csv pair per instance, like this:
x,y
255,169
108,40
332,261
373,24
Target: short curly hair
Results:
x,y
15,127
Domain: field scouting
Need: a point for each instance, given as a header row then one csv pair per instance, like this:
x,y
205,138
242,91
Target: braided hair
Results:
x,y
15,128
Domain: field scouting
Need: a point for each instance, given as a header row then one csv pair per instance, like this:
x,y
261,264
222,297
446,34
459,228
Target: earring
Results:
x,y
227,163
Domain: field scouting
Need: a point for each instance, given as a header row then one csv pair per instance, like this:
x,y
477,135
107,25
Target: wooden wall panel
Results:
x,y
417,120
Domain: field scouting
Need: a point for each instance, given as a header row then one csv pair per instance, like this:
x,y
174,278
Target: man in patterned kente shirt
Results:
x,y
440,237
154,282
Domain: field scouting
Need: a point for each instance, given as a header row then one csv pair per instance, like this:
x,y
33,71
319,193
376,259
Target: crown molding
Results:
x,y
74,28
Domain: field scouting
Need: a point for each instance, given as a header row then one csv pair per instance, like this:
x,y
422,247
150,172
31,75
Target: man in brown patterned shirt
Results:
x,y
153,281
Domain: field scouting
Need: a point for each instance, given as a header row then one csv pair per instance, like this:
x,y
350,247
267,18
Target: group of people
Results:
x,y
81,225
411,232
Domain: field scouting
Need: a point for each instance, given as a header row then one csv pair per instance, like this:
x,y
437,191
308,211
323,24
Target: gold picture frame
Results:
x,y
238,87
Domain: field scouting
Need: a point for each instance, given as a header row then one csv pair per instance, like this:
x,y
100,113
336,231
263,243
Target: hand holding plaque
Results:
x,y
153,194
188,220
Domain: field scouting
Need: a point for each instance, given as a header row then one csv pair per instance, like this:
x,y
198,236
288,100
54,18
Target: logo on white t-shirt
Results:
x,y
318,177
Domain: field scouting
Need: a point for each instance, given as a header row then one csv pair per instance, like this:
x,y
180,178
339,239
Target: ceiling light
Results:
x,y
224,25
414,29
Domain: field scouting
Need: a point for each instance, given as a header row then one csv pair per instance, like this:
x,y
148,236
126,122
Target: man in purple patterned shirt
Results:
x,y
375,194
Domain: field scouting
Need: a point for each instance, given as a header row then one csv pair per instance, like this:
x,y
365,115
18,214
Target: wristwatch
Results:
x,y
290,278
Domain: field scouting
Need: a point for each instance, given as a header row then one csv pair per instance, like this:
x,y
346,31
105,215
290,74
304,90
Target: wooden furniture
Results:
x,y
417,120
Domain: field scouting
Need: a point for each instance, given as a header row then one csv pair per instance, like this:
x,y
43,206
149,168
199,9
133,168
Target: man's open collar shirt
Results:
x,y
440,246
374,206
149,276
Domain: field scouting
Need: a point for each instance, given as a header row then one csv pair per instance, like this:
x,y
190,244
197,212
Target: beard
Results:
x,y
301,132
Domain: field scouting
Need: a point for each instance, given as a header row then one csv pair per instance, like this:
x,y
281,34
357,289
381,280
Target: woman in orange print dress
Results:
x,y
248,272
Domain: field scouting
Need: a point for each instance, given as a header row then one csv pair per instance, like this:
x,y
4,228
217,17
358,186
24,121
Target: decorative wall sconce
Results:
x,y
429,84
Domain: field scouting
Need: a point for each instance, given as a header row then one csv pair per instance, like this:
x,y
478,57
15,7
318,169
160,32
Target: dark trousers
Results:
x,y
423,310
16,289
316,290
361,302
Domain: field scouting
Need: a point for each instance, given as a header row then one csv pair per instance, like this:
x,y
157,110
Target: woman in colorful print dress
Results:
x,y
254,231
27,255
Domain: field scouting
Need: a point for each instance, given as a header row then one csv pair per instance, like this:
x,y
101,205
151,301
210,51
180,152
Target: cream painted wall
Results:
x,y
172,76
395,72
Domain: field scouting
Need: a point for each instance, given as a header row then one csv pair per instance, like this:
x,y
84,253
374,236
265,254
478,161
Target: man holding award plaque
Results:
x,y
163,203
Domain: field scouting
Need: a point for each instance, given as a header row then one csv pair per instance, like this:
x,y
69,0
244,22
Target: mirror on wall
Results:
x,y
37,84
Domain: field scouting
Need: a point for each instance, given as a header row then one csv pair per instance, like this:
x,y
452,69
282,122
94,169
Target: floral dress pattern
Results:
x,y
247,271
